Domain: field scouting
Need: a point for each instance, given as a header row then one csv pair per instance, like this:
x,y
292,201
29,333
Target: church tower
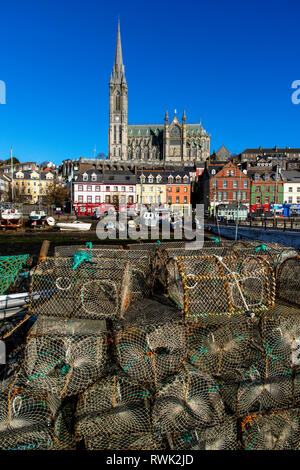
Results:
x,y
118,106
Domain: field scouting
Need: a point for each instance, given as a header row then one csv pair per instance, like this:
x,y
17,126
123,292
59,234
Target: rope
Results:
x,y
79,257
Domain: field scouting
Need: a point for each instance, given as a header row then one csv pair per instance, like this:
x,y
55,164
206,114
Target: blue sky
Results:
x,y
230,64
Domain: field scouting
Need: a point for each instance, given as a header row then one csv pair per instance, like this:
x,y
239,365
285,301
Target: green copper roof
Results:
x,y
144,130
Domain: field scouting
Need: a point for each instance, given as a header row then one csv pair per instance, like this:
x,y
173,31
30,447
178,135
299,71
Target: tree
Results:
x,y
58,195
15,160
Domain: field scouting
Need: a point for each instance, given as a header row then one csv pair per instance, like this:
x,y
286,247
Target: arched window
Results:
x,y
153,154
118,102
146,154
138,153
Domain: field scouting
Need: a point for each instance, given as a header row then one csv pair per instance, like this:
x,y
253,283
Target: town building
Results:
x,y
32,186
279,156
228,185
5,182
175,141
291,187
266,189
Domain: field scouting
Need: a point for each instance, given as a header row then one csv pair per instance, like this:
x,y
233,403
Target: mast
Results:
x,y
12,174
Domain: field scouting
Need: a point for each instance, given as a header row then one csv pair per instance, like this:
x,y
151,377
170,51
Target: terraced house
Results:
x,y
266,189
33,186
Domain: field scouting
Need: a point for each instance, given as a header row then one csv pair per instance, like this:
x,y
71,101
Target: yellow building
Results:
x,y
32,186
151,187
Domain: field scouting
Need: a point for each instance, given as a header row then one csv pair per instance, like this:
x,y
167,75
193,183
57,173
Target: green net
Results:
x,y
10,267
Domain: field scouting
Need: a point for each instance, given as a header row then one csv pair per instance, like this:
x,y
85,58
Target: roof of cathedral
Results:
x,y
145,130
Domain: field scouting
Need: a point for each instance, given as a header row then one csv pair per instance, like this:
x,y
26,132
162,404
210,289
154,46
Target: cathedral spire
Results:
x,y
184,116
118,74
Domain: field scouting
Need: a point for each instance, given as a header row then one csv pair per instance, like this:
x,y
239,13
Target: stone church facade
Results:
x,y
173,143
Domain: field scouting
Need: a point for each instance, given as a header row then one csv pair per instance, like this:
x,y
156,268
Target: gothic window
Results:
x,y
146,154
153,154
138,153
118,103
188,152
120,134
119,152
115,134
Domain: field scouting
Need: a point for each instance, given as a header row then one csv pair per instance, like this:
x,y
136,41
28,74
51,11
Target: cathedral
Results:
x,y
172,143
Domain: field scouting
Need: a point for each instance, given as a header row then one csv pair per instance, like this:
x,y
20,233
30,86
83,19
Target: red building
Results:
x,y
229,185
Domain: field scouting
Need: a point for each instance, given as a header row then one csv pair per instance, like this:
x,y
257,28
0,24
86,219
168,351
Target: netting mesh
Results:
x,y
189,400
66,251
223,436
224,350
64,357
96,289
140,263
211,286
115,406
288,281
274,431
152,343
10,267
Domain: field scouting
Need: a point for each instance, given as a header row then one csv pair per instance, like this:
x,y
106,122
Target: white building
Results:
x,y
291,187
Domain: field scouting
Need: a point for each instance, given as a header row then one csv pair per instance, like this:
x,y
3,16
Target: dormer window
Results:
x,y
158,179
178,179
186,179
150,179
94,177
170,179
213,172
142,179
85,177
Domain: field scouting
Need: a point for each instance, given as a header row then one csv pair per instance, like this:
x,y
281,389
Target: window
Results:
x,y
185,199
225,196
220,196
80,187
107,188
257,189
214,184
234,195
120,134
245,184
232,172
89,188
235,184
94,177
115,134
225,184
177,189
177,199
150,199
185,179
244,195
290,189
158,179
169,190
298,189
170,199
123,188
213,172
151,189
150,179
115,188
298,200
257,200
80,198
267,199
89,199
170,179
142,179
107,199
227,172
97,198
85,177
267,189
97,188
290,199
178,179
131,188
185,189
143,188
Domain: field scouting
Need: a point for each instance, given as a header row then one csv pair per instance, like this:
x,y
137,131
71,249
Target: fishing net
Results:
x,y
142,441
212,286
10,267
288,280
189,400
220,437
152,343
114,406
224,350
278,430
64,357
140,263
96,289
66,251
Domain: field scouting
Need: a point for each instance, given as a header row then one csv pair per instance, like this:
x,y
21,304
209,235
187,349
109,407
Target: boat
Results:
x,y
11,216
37,215
74,226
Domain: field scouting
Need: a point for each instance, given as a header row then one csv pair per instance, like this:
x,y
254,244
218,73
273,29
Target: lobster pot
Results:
x,y
258,393
142,441
288,280
97,289
224,350
279,430
64,357
164,257
114,406
274,253
25,419
220,437
189,400
151,344
140,263
143,246
10,266
281,339
64,438
207,287
66,251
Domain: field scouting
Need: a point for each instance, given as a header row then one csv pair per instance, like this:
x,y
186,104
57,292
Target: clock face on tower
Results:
x,y
117,118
